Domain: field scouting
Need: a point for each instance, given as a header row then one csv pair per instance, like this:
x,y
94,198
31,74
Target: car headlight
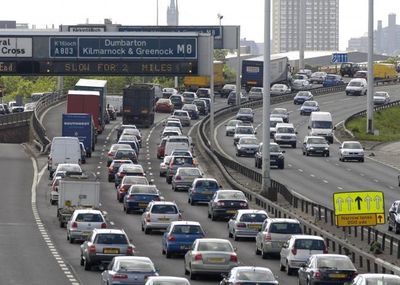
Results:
x,y
326,148
311,147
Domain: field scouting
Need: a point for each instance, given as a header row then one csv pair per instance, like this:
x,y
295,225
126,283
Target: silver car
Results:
x,y
274,233
170,280
243,131
247,146
210,256
230,127
381,97
279,89
272,125
351,150
246,223
256,93
184,177
183,116
83,222
164,165
308,107
159,215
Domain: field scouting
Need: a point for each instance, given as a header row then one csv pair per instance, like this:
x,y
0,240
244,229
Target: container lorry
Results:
x,y
82,127
138,105
86,102
101,87
76,192
192,83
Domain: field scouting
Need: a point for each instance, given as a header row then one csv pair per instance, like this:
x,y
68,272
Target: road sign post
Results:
x,y
364,208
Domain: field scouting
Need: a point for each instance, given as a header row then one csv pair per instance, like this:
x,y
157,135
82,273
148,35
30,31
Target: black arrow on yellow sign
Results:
x,y
380,218
358,200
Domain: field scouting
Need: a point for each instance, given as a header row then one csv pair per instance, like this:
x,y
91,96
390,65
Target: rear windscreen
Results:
x,y
94,218
285,228
164,209
111,239
253,218
310,244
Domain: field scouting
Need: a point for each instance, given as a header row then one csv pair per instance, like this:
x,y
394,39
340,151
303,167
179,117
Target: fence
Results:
x,y
317,211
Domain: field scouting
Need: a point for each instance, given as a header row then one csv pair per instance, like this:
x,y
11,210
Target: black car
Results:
x,y
192,110
314,145
393,218
327,269
177,101
201,106
276,157
225,203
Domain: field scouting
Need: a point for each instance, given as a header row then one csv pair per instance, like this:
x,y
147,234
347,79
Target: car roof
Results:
x,y
186,223
287,125
251,211
163,203
351,142
283,220
213,240
307,237
313,137
91,211
109,231
325,255
210,179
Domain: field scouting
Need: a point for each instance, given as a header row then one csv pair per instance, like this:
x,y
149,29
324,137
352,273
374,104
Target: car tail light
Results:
x,y
233,258
148,218
220,203
243,204
267,237
294,251
317,274
110,169
198,257
178,178
121,174
354,274
103,225
129,250
92,249
241,225
157,198
171,238
119,276
110,154
74,225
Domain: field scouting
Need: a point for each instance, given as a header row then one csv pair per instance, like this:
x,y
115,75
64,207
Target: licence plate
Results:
x,y
207,192
142,204
231,211
111,250
254,226
337,275
163,219
216,260
86,233
184,247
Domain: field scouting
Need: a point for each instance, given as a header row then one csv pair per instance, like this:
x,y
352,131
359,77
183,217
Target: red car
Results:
x,y
164,105
126,183
161,148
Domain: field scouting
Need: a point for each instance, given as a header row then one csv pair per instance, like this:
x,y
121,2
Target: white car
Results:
x,y
381,97
298,249
158,215
246,223
357,86
170,280
230,127
375,278
351,150
243,131
83,222
279,89
285,134
301,84
164,165
272,125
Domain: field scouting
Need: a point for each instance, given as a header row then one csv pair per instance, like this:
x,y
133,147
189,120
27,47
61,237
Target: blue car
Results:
x,y
332,80
128,270
179,237
139,196
202,190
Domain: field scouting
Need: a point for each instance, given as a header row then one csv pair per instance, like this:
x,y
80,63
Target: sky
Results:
x,y
249,14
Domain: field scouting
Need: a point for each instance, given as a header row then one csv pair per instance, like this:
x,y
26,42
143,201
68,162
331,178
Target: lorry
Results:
x,y
192,83
253,70
86,102
101,87
138,105
77,192
81,126
385,72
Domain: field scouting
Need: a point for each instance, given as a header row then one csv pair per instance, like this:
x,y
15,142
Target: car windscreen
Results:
x,y
249,141
321,124
331,77
233,123
187,229
278,111
175,99
355,83
70,168
245,111
309,244
169,282
214,246
285,228
164,209
337,263
111,238
254,276
189,172
248,131
380,94
274,148
310,103
316,141
178,140
285,130
253,218
231,196
303,94
143,190
135,266
352,146
89,217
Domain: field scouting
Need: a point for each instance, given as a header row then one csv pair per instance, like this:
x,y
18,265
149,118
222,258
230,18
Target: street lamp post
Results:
x,y
370,75
157,13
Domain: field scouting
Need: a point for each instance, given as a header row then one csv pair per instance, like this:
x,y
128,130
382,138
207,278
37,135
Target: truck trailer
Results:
x,y
138,105
81,126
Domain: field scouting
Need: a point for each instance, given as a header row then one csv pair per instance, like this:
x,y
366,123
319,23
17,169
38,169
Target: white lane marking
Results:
x,y
325,181
301,170
348,169
391,187
259,125
98,167
289,165
312,175
36,178
340,188
376,180
362,174
97,173
346,99
192,127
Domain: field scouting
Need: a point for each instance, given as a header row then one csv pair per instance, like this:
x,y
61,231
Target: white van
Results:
x,y
63,150
177,142
357,86
321,124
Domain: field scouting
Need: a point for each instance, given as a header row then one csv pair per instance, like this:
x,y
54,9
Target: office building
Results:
x,y
321,25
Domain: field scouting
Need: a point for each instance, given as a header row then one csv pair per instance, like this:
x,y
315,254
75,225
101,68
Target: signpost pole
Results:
x,y
370,76
212,93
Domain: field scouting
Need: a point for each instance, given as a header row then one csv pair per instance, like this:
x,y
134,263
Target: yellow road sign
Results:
x,y
356,220
364,202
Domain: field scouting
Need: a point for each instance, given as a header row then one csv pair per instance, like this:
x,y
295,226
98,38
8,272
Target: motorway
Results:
x,y
316,178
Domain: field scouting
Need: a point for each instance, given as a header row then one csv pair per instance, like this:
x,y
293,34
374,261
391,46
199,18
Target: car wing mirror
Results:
x,y
309,127
334,128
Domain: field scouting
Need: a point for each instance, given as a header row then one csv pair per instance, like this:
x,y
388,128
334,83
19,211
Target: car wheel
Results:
x,y
264,254
192,202
169,180
86,264
147,231
362,160
397,229
294,145
71,240
289,270
109,179
281,166
168,254
237,154
186,271
304,153
142,227
258,252
227,134
307,154
235,238
327,154
282,267
390,228
213,218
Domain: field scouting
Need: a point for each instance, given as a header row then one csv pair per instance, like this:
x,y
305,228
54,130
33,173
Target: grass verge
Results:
x,y
386,122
